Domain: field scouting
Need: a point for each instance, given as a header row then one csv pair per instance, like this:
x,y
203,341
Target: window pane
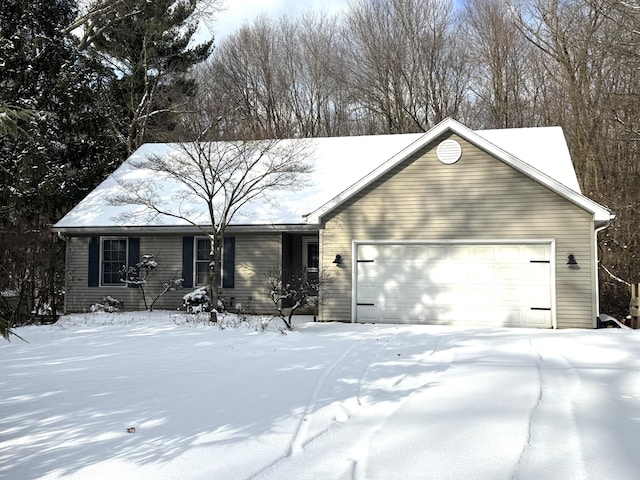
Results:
x,y
114,257
203,249
313,255
202,270
202,273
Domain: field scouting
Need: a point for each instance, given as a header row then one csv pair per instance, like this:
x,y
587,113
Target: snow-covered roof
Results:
x,y
341,166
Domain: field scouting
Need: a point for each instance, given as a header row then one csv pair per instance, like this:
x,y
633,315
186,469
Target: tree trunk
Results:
x,y
215,256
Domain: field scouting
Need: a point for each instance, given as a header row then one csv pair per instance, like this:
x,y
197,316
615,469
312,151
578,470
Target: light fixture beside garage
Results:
x,y
449,151
571,261
338,259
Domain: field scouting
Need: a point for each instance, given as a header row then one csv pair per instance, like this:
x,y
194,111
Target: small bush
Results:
x,y
108,305
197,301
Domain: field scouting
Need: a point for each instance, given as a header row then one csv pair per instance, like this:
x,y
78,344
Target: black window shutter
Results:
x,y
133,255
228,262
187,262
94,262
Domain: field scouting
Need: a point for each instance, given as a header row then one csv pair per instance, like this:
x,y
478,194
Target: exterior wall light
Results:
x,y
338,259
571,260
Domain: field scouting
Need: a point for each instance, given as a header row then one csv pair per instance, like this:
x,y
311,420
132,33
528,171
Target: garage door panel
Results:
x,y
509,273
367,252
537,318
367,293
538,273
538,252
509,295
440,271
425,253
391,312
508,253
483,295
538,297
463,284
482,253
368,313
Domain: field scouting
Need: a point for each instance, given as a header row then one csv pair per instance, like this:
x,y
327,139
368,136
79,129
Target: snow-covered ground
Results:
x,y
328,401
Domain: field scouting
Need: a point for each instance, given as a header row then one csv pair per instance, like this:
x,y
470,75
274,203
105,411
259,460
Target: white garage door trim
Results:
x,y
550,243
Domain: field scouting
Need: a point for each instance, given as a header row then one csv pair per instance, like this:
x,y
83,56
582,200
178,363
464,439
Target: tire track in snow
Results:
x,y
552,420
367,368
301,437
360,460
423,358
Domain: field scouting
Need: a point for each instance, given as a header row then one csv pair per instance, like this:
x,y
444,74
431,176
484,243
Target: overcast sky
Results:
x,y
238,12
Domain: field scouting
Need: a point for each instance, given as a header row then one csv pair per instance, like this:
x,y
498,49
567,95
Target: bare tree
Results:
x,y
250,89
574,35
590,51
504,66
279,79
215,181
316,94
408,67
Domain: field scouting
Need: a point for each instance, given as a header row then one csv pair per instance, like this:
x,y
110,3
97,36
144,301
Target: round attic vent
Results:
x,y
449,151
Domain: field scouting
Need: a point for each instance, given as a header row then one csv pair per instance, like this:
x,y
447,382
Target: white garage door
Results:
x,y
458,284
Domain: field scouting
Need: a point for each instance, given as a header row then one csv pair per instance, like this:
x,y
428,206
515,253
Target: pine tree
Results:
x,y
148,44
52,156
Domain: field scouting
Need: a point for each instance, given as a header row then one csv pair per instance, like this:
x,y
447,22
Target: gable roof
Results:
x,y
342,167
541,153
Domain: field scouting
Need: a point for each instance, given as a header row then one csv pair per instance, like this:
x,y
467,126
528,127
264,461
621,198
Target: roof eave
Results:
x,y
180,229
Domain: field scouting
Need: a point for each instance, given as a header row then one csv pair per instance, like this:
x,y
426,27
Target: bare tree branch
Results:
x,y
213,180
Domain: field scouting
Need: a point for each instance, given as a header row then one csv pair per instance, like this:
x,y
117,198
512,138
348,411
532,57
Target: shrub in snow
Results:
x,y
137,275
168,286
292,292
197,301
108,305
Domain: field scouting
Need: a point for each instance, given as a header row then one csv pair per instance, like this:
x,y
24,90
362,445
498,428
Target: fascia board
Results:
x,y
182,229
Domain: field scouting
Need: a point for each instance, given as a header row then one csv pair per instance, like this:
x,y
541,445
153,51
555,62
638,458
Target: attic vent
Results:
x,y
449,151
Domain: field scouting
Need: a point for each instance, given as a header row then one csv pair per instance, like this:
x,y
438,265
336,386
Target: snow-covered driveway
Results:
x,y
329,401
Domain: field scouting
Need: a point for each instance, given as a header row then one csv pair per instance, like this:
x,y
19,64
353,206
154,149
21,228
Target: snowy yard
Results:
x,y
328,401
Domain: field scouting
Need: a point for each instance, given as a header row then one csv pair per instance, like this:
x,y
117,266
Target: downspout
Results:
x,y
596,265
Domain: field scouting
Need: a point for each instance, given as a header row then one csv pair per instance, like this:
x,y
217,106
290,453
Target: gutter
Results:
x,y
181,229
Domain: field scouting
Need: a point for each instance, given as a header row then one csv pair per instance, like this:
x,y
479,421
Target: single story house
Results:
x,y
451,226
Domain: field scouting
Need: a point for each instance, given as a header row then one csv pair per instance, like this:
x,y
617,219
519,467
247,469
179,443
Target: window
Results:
x,y
202,259
310,254
195,261
114,257
311,258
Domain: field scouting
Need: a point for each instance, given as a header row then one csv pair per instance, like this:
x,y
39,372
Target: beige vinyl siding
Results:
x,y
476,198
79,296
256,254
